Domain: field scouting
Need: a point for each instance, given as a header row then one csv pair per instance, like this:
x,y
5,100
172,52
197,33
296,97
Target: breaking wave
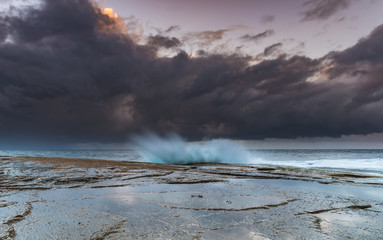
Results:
x,y
172,149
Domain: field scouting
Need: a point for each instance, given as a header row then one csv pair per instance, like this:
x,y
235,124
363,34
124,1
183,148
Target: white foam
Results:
x,y
172,149
375,164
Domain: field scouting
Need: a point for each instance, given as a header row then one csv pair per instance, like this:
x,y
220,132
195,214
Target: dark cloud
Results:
x,y
71,73
172,28
272,49
64,73
3,30
323,9
206,37
258,36
201,53
163,41
368,49
267,19
364,64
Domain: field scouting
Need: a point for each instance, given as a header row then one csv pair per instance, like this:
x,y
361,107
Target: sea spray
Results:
x,y
172,149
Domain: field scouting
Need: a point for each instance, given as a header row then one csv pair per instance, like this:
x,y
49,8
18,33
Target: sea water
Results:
x,y
368,160
365,160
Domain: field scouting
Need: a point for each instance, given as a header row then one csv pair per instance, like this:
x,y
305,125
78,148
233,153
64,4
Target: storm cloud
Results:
x,y
272,49
163,41
257,37
323,9
69,71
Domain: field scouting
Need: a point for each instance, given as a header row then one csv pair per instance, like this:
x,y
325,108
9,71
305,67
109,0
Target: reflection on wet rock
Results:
x,y
46,198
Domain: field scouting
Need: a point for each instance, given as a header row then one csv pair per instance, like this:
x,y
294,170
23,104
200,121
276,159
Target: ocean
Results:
x,y
366,161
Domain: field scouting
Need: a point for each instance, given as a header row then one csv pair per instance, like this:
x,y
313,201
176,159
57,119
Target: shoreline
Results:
x,y
267,172
103,199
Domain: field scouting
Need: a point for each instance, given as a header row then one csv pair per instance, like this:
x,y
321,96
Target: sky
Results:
x,y
304,27
280,72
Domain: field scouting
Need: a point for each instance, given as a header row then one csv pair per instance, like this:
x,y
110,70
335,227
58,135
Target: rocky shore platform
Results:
x,y
61,198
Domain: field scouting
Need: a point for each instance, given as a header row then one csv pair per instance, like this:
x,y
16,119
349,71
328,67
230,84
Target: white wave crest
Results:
x,y
172,149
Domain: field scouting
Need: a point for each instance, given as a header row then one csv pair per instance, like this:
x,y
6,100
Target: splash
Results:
x,y
172,149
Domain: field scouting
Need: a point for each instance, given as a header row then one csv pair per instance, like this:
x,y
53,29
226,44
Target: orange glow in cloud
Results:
x,y
109,12
116,25
325,69
321,75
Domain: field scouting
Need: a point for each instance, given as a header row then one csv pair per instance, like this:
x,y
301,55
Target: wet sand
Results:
x,y
61,198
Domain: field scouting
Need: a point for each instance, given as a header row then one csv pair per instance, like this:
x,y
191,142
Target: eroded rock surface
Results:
x,y
50,198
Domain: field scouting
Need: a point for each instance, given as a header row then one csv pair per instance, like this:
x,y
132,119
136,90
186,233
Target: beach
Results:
x,y
63,198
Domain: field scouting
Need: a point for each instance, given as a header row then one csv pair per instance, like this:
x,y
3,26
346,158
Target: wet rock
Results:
x,y
113,200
